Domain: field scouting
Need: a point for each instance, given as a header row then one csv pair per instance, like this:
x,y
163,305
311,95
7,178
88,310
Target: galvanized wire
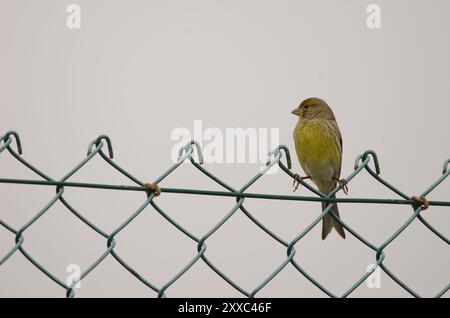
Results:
x,y
95,148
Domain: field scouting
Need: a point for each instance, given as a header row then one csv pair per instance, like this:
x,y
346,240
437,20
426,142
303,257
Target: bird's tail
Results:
x,y
328,222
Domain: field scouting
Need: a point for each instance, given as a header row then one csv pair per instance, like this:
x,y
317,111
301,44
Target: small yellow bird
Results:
x,y
318,144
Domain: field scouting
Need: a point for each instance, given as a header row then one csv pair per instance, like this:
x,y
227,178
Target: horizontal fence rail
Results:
x,y
95,148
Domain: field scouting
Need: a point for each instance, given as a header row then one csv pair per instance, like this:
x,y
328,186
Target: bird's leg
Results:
x,y
343,184
298,180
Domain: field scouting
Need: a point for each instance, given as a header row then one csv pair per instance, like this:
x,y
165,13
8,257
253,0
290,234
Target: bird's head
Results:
x,y
313,108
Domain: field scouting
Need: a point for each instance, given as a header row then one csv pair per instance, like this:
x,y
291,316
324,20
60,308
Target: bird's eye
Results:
x,y
306,106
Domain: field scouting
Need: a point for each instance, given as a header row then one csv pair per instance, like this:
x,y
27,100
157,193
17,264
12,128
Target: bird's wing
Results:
x,y
338,135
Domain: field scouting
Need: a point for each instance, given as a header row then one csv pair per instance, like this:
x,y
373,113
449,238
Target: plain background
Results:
x,y
136,70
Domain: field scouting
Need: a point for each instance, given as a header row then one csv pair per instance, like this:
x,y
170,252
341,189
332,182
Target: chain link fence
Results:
x,y
95,148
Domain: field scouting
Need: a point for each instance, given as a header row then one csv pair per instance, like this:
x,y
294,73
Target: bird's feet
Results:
x,y
298,181
343,184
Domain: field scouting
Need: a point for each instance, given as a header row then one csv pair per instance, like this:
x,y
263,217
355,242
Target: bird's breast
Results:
x,y
317,150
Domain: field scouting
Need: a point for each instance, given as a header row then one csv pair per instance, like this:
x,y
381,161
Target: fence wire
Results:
x,y
95,148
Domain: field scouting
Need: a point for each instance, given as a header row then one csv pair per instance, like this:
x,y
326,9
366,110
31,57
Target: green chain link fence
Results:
x,y
186,153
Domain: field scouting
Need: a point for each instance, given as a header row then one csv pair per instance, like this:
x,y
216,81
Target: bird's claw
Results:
x,y
298,181
343,184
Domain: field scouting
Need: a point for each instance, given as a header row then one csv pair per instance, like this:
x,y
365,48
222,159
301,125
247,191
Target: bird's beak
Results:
x,y
296,112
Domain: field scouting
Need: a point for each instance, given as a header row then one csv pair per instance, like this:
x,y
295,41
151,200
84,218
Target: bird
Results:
x,y
318,144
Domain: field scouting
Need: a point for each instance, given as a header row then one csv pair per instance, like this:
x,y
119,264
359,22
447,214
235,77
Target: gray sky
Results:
x,y
137,70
